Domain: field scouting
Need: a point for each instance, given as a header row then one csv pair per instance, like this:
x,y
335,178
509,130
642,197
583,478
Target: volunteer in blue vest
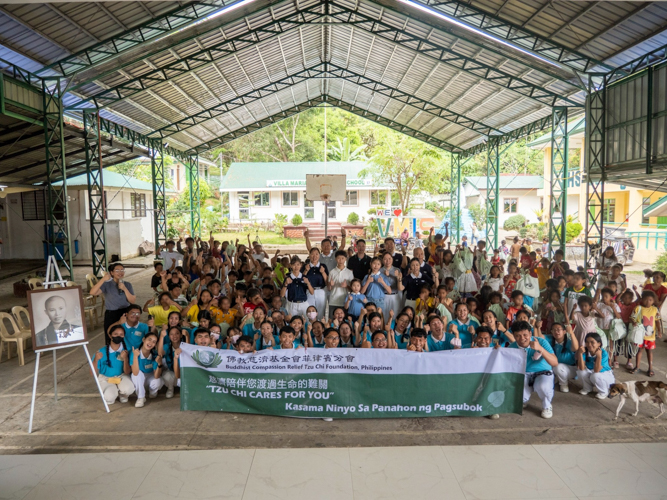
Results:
x,y
113,367
296,288
374,286
392,276
565,346
170,341
146,366
540,361
464,323
438,339
135,330
317,275
593,367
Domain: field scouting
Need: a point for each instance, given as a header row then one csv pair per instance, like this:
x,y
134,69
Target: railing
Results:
x,y
648,240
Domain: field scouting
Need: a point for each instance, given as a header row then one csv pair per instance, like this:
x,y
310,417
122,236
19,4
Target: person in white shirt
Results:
x,y
339,282
169,255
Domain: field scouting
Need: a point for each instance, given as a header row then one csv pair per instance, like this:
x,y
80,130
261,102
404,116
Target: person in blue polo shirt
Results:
x,y
375,285
135,330
170,341
464,323
113,368
146,369
540,360
317,276
593,367
564,347
296,288
438,339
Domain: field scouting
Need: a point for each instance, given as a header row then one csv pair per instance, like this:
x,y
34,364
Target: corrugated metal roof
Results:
x,y
509,182
253,176
245,50
112,179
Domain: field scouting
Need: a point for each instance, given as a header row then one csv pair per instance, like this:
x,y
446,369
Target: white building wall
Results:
x,y
24,239
267,213
528,203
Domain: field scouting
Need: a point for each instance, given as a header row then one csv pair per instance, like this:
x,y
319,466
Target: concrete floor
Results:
x,y
606,471
78,422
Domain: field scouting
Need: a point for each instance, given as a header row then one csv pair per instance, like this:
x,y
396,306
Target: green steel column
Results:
x,y
492,193
559,173
159,195
649,121
195,202
455,199
54,142
594,164
96,200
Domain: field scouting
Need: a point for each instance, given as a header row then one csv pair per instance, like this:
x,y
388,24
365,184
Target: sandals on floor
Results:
x,y
634,370
650,373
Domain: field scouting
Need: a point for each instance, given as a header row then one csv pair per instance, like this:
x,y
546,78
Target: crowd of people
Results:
x,y
229,295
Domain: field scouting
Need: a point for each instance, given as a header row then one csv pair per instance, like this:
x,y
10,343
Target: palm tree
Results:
x,y
343,152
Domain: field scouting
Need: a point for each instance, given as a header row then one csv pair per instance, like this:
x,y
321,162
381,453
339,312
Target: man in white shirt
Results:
x,y
169,255
339,282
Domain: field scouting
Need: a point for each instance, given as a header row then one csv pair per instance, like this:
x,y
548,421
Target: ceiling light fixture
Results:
x,y
453,20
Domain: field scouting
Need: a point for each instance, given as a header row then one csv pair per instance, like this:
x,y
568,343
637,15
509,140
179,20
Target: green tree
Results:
x,y
407,164
344,152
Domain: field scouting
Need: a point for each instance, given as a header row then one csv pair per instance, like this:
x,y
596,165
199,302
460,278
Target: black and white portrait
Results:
x,y
56,317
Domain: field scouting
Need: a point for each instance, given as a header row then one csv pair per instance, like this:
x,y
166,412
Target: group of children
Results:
x,y
442,298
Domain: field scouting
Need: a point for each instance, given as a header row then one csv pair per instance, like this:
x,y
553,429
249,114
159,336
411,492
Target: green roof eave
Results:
x,y
655,207
576,127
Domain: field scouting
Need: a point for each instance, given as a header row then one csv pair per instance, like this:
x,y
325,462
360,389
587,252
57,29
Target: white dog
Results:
x,y
647,390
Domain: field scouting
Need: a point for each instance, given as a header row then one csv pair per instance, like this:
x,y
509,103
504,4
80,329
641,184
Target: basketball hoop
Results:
x,y
326,188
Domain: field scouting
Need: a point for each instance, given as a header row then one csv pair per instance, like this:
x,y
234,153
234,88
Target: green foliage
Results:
x,y
478,214
141,169
372,211
661,263
437,208
299,138
344,152
514,223
297,220
353,218
279,222
407,164
523,232
371,229
572,231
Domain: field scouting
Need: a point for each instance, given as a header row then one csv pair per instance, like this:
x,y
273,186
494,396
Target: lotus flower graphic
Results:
x,y
207,359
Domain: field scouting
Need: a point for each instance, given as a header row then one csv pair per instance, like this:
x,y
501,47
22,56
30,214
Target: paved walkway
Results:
x,y
606,471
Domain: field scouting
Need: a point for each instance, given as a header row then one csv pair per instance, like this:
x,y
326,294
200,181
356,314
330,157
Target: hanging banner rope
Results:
x,y
353,383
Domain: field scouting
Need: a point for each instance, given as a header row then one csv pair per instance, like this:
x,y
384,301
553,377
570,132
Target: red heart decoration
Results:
x,y
397,212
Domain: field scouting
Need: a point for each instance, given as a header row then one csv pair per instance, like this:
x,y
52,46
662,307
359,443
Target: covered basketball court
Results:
x,y
85,85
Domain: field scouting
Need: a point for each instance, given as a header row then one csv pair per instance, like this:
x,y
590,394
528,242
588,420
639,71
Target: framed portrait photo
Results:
x,y
57,317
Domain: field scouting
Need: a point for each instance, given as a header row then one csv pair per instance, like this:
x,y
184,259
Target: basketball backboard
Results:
x,y
325,187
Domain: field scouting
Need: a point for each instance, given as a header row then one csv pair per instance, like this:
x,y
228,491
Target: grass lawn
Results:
x,y
265,238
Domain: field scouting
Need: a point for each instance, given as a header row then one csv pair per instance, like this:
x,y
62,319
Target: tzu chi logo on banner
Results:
x,y
386,219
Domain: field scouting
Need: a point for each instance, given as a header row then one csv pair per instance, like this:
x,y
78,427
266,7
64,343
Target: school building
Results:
x,y
519,194
129,212
636,211
259,191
